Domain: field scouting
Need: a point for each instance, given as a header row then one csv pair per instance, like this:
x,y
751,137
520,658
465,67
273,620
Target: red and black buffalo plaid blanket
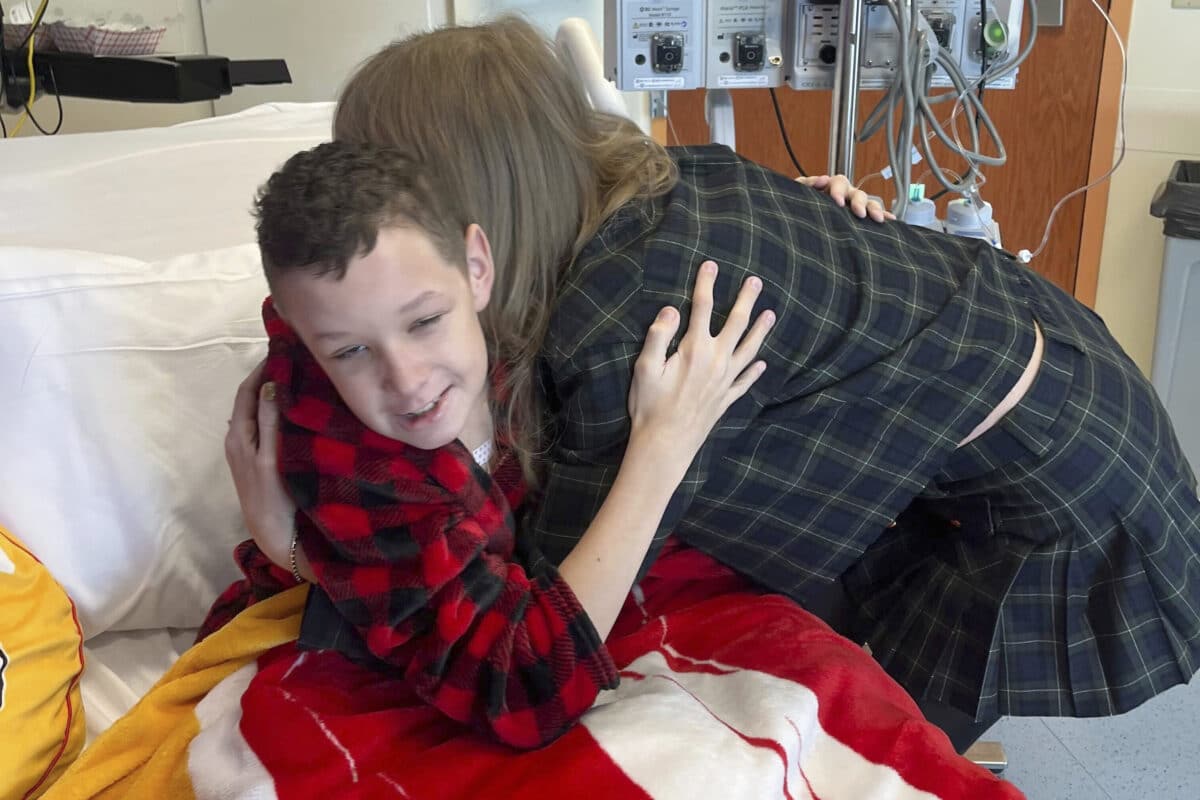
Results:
x,y
418,567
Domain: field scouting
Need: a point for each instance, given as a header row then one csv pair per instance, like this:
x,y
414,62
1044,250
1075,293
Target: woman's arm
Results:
x,y
674,403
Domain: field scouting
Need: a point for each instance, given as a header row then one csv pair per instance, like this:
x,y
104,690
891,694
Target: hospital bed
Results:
x,y
125,203
129,312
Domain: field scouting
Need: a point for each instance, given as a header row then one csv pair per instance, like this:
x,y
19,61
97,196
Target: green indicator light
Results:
x,y
995,34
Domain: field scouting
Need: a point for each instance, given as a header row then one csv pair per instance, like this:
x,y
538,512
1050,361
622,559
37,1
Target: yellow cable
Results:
x,y
37,20
32,91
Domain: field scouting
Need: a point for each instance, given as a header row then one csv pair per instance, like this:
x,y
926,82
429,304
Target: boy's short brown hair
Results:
x,y
326,206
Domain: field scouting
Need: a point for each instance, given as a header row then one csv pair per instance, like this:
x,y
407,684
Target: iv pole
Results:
x,y
843,118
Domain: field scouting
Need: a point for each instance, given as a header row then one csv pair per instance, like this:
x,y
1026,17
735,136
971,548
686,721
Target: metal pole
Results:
x,y
844,115
718,111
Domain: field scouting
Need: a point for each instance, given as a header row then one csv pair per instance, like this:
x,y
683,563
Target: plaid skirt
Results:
x,y
1053,566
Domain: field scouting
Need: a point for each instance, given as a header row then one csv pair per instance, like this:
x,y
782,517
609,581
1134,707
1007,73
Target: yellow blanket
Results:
x,y
145,754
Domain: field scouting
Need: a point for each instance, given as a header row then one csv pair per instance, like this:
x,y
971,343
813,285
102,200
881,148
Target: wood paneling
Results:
x,y
1046,124
1091,237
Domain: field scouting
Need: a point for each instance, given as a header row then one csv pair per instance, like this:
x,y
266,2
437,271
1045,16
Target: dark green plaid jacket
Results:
x,y
892,343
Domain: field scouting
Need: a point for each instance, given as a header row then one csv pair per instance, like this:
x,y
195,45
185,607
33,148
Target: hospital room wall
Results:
x,y
303,32
1162,109
1162,105
322,41
185,34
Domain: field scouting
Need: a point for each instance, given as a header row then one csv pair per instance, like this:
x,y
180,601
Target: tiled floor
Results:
x,y
1152,752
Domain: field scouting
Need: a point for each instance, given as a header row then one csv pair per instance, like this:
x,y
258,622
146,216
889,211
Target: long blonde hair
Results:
x,y
509,132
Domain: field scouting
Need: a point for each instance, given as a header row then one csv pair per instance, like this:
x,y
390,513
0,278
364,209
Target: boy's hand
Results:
x,y
676,399
840,189
250,452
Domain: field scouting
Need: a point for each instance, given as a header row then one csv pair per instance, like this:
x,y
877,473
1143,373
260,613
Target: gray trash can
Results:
x,y
1176,370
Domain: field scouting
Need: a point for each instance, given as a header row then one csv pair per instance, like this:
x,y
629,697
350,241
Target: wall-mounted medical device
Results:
x,y
744,45
654,46
974,42
722,44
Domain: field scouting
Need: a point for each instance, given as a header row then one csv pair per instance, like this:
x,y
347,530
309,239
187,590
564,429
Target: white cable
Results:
x,y
1024,255
910,94
671,127
992,74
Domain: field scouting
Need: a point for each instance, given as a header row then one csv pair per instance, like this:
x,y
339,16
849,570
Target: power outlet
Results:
x,y
1185,3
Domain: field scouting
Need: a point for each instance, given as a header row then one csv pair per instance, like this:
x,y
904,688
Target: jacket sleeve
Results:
x,y
499,643
263,579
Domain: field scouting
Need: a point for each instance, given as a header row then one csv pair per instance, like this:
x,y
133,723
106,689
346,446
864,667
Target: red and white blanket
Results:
x,y
725,693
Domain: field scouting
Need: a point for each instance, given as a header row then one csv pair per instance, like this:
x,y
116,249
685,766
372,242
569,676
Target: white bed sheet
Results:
x,y
148,194
120,667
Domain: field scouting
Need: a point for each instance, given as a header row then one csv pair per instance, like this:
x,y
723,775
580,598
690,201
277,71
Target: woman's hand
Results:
x,y
250,452
675,401
842,191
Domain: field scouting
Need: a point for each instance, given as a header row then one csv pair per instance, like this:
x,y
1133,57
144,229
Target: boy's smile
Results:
x,y
399,336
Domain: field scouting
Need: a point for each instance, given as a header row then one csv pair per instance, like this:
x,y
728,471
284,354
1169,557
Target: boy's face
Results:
x,y
399,336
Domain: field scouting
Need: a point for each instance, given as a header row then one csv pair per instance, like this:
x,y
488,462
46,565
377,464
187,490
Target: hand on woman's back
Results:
x,y
676,399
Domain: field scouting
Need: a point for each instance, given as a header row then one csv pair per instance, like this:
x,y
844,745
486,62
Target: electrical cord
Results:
x,y
970,104
32,88
3,75
1024,255
867,178
37,20
57,102
28,43
971,193
921,54
998,71
982,45
783,133
902,171
900,95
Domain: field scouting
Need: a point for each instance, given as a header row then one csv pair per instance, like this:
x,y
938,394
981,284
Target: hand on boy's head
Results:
x,y
250,453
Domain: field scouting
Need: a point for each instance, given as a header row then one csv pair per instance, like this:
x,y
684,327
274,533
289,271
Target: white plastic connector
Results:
x,y
930,44
1024,256
915,157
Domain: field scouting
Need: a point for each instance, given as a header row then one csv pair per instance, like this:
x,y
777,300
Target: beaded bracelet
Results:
x,y
292,557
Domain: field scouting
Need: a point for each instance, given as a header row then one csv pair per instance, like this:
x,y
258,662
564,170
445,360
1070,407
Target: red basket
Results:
x,y
100,41
42,41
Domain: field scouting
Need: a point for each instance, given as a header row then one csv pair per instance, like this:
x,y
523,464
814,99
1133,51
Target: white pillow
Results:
x,y
118,377
151,193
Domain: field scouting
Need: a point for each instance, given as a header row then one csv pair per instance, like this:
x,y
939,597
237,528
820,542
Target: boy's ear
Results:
x,y
481,270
